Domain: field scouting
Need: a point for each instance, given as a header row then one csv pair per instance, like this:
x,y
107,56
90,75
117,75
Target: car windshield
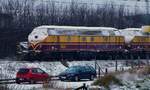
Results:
x,y
23,70
71,69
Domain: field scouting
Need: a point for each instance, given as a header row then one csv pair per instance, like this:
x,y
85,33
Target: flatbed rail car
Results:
x,y
87,43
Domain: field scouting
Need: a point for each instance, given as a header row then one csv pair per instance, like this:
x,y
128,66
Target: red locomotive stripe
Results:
x,y
32,45
36,46
81,43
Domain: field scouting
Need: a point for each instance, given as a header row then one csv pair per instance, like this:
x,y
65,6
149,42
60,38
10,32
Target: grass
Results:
x,y
108,80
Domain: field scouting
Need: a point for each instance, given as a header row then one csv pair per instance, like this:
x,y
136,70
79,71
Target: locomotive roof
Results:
x,y
133,29
77,28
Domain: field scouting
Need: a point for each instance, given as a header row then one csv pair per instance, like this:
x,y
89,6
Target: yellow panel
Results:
x,y
134,39
146,29
82,38
74,39
52,38
68,38
88,38
141,39
101,39
149,39
113,39
96,39
105,39
117,39
122,39
62,39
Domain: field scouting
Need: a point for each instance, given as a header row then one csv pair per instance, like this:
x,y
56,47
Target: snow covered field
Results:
x,y
8,69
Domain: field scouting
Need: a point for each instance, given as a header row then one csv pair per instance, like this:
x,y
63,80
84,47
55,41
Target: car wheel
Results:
x,y
76,78
18,81
92,77
32,82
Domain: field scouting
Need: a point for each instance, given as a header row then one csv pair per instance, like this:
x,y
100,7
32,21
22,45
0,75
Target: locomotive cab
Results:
x,y
36,36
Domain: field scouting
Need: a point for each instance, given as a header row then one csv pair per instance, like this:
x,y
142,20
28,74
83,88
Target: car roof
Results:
x,y
80,66
28,68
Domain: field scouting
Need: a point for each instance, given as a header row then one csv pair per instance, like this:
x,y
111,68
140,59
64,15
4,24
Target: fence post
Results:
x,y
147,59
116,65
99,72
139,65
84,86
95,64
106,71
131,61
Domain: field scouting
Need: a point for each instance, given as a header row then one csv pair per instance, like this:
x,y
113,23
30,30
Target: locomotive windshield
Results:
x,y
63,31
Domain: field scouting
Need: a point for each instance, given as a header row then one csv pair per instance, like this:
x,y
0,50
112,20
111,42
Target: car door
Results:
x,y
82,73
42,75
87,72
35,74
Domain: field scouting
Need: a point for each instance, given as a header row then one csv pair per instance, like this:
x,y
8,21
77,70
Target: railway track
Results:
x,y
7,81
13,80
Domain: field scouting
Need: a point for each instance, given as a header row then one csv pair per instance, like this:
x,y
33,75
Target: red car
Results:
x,y
31,75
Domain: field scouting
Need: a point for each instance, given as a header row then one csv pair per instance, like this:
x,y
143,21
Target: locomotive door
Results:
x,y
55,43
83,43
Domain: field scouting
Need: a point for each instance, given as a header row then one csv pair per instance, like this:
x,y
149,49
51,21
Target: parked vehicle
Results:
x,y
76,73
31,75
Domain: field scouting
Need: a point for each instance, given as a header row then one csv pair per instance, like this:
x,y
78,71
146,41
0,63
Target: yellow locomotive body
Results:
x,y
89,42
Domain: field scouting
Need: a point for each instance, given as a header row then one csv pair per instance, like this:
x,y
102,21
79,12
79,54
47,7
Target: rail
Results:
x,y
13,80
83,87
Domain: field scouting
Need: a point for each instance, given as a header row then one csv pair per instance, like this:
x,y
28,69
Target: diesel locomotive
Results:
x,y
87,43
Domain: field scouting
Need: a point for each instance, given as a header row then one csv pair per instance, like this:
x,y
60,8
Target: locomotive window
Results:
x,y
111,33
105,33
92,38
146,33
84,39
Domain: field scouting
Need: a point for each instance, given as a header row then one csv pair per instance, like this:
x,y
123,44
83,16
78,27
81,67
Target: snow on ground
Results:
x,y
8,69
132,81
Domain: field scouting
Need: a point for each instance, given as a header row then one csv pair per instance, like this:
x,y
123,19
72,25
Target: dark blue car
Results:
x,y
76,73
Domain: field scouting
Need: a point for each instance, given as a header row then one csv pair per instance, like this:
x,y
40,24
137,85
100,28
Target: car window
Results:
x,y
23,70
91,69
87,69
40,71
34,70
71,70
82,69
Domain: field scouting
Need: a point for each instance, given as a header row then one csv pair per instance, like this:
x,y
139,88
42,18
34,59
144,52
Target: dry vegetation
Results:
x,y
112,78
107,80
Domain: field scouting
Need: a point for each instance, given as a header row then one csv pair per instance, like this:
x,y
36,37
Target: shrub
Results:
x,y
107,80
144,71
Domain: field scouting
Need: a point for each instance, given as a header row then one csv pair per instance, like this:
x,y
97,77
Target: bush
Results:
x,y
107,80
144,71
